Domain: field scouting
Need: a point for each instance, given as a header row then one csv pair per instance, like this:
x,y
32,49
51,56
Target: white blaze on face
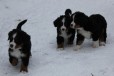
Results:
x,y
73,23
63,28
13,44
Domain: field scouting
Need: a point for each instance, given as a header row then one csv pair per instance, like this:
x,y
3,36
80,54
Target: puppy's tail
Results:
x,y
21,23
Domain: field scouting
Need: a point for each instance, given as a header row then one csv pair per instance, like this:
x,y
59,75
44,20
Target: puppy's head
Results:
x,y
17,37
63,22
79,20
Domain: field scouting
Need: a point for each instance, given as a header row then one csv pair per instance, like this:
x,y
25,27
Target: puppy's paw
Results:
x,y
95,44
14,62
60,49
77,47
102,44
23,68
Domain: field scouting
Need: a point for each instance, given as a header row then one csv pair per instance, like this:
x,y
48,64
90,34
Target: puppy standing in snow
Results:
x,y
64,32
89,27
19,47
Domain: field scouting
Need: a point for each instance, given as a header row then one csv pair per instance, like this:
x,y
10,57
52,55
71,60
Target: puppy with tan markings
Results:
x,y
19,47
64,32
93,27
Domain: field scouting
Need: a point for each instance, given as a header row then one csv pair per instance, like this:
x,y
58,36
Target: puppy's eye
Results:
x,y
17,41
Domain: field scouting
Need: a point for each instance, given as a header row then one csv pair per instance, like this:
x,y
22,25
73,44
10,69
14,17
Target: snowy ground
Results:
x,y
46,60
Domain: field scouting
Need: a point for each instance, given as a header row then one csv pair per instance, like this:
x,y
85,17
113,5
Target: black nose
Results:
x,y
11,45
71,25
63,29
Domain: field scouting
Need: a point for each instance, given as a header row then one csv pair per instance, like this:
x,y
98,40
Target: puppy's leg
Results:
x,y
24,65
13,60
79,41
71,38
60,42
102,39
95,40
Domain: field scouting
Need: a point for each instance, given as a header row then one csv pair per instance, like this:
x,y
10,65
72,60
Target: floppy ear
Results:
x,y
68,12
9,35
56,22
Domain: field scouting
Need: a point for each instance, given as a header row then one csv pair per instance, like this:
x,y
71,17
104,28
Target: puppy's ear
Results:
x,y
9,35
56,22
8,38
68,12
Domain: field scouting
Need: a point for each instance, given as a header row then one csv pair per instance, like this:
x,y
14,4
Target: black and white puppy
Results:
x,y
64,32
89,27
19,47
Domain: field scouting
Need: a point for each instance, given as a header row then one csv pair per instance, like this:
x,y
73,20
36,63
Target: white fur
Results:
x,y
70,14
85,33
63,27
60,49
95,44
65,35
13,43
77,47
102,43
73,23
17,53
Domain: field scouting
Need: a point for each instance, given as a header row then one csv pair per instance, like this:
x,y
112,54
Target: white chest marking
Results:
x,y
65,35
13,43
17,53
86,34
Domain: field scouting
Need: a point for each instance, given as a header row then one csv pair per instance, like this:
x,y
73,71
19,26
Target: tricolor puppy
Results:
x,y
64,32
19,47
89,27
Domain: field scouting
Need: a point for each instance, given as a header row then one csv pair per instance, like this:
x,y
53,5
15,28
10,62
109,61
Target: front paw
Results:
x,y
60,49
14,61
77,47
95,44
23,68
60,45
102,44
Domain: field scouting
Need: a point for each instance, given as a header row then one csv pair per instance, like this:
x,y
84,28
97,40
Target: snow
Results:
x,y
46,60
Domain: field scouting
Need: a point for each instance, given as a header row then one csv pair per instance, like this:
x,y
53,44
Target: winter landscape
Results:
x,y
46,59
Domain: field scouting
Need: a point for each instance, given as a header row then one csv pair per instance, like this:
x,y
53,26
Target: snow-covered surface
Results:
x,y
46,59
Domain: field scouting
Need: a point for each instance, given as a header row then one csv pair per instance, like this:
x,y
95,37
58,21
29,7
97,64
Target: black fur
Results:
x,y
22,41
95,24
99,27
69,31
20,24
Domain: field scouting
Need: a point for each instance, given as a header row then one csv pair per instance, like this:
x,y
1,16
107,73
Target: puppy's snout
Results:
x,y
63,29
71,25
11,45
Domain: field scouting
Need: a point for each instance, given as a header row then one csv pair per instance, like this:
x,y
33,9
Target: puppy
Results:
x,y
19,47
89,27
64,32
